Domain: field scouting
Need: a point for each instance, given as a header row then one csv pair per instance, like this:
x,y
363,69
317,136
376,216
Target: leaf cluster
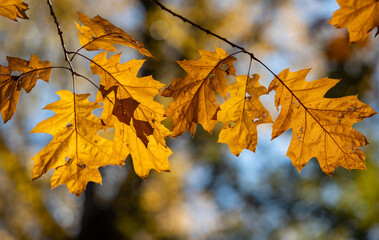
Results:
x,y
321,127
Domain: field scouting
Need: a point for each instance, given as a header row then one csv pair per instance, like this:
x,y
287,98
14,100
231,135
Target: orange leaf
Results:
x,y
13,9
10,85
194,98
98,33
321,127
242,113
358,16
76,151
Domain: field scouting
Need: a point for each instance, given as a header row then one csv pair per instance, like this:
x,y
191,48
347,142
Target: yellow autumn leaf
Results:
x,y
76,151
13,9
10,85
122,79
98,33
145,157
194,97
130,108
321,127
242,113
358,16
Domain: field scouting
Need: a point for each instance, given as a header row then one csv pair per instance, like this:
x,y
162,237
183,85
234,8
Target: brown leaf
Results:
x,y
10,85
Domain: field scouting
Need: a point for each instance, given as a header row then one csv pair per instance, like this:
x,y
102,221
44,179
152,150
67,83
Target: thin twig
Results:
x,y
207,31
60,33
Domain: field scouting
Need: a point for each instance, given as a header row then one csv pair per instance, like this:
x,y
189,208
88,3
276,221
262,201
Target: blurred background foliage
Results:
x,y
209,194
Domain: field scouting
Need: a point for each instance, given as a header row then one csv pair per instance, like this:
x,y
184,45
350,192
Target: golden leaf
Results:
x,y
194,98
145,157
98,33
358,16
13,9
242,113
321,127
76,151
130,108
122,79
10,85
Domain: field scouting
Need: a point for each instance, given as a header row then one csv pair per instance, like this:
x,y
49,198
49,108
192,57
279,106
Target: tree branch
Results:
x,y
60,33
243,50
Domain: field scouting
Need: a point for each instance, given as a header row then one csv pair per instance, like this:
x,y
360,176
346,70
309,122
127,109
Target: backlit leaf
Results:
x,y
76,151
242,113
358,16
130,108
98,33
145,157
194,97
13,9
321,127
10,85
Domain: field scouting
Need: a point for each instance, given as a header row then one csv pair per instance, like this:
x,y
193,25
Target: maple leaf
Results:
x,y
10,85
321,127
130,108
194,98
242,113
359,16
13,9
76,151
98,33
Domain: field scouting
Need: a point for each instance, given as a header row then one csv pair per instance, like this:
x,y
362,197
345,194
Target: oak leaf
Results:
x,y
98,33
358,16
242,113
10,85
129,107
76,151
123,81
321,127
13,9
154,155
194,97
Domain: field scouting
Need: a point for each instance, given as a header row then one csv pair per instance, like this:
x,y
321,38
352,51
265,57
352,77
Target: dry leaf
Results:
x,y
358,16
13,9
98,33
76,151
321,127
10,85
194,98
242,113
